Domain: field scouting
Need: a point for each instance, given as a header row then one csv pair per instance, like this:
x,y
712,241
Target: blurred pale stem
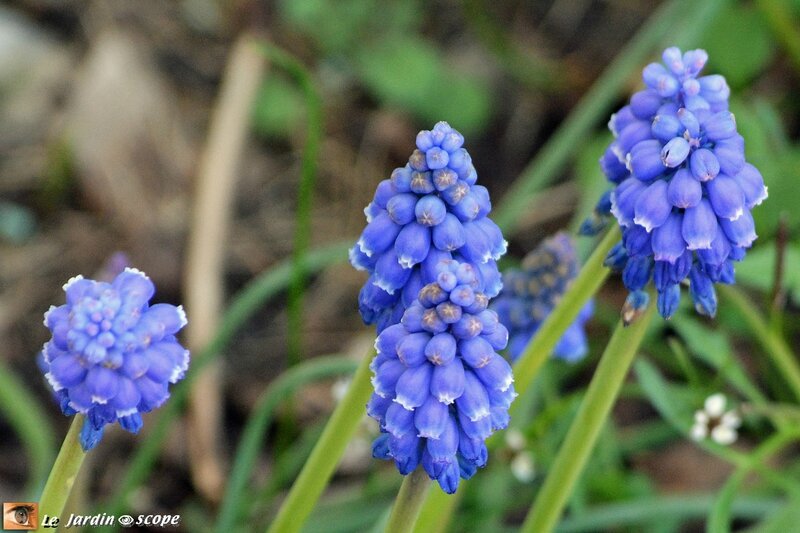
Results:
x,y
64,472
587,425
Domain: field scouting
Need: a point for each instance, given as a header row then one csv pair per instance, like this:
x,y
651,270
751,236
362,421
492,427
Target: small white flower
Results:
x,y
522,467
339,388
515,439
715,422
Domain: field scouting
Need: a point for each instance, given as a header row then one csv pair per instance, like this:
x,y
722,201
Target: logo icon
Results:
x,y
20,515
125,520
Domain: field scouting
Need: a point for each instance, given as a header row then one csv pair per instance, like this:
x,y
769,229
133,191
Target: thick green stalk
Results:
x,y
326,454
585,429
438,506
65,470
584,286
26,416
773,344
409,501
257,424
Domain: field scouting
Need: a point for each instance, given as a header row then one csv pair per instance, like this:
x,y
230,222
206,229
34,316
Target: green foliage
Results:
x,y
739,44
757,271
412,74
279,109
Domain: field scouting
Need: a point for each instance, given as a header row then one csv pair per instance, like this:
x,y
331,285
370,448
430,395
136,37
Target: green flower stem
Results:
x,y
438,506
409,501
585,429
305,191
257,424
65,470
773,344
26,416
326,454
589,279
719,520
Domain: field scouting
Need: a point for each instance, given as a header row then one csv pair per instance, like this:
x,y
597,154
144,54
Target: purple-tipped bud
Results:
x,y
430,210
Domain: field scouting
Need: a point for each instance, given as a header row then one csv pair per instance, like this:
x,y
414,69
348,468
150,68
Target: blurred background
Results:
x,y
105,108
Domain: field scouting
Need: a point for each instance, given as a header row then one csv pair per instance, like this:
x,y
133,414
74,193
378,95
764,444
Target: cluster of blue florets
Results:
x,y
531,292
429,210
112,355
440,387
683,190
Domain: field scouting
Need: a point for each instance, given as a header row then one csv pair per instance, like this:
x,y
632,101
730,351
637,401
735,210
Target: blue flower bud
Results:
x,y
701,289
411,348
612,167
632,134
379,235
401,208
389,274
666,127
448,381
637,272
636,241
623,201
690,122
720,126
699,226
669,299
398,421
652,207
441,349
401,179
751,182
667,240
412,386
719,250
422,182
675,152
726,197
431,419
657,78
704,164
730,154
616,258
683,190
412,245
635,305
644,160
430,210
645,104
740,232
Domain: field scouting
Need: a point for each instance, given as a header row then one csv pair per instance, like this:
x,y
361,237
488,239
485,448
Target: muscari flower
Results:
x,y
530,293
112,355
441,388
429,210
683,190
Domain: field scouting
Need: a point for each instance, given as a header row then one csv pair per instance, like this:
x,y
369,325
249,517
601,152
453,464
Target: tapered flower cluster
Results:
x,y
441,388
112,355
429,210
683,190
531,292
